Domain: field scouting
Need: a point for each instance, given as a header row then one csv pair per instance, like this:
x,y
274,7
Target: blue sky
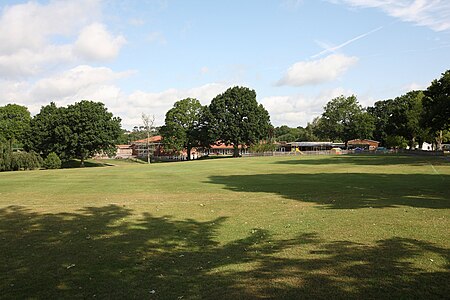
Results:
x,y
142,56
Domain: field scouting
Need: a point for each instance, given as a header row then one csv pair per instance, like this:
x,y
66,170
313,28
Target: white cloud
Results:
x,y
80,81
31,36
31,25
27,62
317,71
414,86
434,14
131,106
96,43
298,110
98,84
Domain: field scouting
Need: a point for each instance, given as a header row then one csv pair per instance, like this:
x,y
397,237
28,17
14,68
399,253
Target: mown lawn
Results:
x,y
333,227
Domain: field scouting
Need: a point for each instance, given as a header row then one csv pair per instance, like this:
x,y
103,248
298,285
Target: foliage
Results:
x,y
236,118
263,147
78,131
344,119
299,134
52,161
49,131
14,123
396,141
406,117
382,112
15,161
436,103
184,126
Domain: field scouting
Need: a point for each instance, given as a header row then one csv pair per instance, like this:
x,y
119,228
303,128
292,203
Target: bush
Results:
x,y
52,161
263,147
15,161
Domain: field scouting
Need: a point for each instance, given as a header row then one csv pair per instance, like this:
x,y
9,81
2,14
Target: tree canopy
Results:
x,y
183,126
436,103
77,131
14,123
344,119
237,119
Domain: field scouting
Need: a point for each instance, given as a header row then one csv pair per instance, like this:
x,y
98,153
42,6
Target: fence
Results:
x,y
295,153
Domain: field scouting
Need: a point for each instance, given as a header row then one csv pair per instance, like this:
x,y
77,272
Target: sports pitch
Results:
x,y
240,228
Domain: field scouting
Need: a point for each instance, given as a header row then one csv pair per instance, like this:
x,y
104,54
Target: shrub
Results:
x,y
15,161
52,161
263,147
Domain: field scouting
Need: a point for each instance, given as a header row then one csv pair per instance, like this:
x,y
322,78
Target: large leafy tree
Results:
x,y
77,131
92,129
50,131
345,119
382,112
14,123
436,105
237,118
184,126
406,117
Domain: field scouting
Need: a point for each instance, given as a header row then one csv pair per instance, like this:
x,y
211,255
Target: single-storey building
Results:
x,y
124,151
223,149
363,144
153,144
314,146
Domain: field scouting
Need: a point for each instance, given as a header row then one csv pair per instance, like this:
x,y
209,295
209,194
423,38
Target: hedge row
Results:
x,y
15,161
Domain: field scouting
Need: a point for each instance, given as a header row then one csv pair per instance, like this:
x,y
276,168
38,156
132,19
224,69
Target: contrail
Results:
x,y
332,49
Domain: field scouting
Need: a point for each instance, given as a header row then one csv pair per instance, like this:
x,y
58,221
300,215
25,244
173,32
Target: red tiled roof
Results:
x,y
362,141
223,146
123,146
152,139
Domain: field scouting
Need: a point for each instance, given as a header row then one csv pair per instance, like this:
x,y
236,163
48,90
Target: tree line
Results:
x,y
234,117
86,128
407,120
77,131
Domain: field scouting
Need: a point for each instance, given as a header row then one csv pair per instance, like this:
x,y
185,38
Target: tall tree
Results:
x,y
382,112
436,105
14,123
344,119
92,129
184,127
77,131
49,132
406,117
238,119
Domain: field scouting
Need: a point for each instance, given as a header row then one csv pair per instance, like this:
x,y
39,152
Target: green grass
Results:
x,y
334,227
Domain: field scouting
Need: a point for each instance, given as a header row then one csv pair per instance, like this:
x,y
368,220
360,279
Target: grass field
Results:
x,y
290,227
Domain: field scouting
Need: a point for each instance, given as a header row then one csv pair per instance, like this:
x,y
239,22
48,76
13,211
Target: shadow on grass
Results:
x,y
365,159
96,253
73,163
347,190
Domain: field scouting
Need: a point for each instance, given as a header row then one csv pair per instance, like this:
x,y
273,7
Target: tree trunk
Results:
x,y
82,162
412,144
235,150
148,151
189,152
439,139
